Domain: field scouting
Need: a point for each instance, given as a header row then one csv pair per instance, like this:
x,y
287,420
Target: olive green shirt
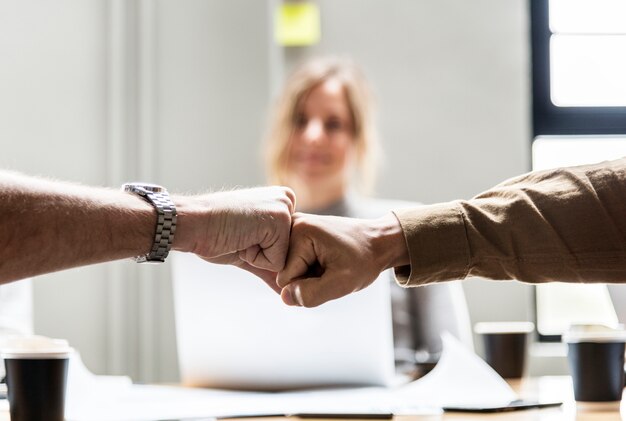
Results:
x,y
566,224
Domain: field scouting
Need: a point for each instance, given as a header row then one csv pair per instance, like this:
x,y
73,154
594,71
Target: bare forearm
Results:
x,y
389,242
48,226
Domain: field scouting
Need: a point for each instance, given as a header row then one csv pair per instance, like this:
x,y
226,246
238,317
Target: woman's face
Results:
x,y
322,143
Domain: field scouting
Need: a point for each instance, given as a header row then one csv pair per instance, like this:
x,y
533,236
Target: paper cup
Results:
x,y
596,361
505,346
36,376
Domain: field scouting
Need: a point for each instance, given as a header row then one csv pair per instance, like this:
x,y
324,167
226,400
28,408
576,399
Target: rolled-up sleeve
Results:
x,y
564,225
437,243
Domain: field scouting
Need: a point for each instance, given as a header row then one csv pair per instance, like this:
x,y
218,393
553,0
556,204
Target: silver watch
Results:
x,y
158,197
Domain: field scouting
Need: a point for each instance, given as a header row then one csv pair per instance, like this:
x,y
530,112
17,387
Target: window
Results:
x,y
559,305
579,67
579,116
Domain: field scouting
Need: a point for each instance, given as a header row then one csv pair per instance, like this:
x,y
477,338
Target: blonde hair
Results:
x,y
361,104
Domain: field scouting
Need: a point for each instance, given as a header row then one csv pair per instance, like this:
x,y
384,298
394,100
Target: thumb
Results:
x,y
300,257
312,292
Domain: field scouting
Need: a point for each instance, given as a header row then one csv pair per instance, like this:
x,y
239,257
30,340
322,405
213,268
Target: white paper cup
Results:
x,y
596,360
36,375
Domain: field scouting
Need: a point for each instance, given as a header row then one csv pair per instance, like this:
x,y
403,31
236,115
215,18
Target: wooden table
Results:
x,y
558,388
547,388
541,388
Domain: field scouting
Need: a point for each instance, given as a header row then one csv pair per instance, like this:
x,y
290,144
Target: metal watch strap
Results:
x,y
166,220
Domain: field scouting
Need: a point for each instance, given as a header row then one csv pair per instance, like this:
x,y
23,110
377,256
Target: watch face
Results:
x,y
133,187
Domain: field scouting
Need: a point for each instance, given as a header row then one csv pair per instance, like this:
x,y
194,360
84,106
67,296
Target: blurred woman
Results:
x,y
322,142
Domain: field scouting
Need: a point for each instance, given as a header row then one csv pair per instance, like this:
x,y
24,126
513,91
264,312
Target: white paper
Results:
x,y
88,393
459,378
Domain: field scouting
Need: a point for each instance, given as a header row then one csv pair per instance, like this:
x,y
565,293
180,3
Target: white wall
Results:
x,y
52,107
185,86
212,85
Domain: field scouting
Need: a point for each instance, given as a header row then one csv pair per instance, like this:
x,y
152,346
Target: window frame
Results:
x,y
549,119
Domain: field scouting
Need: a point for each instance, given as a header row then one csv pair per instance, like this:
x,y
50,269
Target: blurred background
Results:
x,y
177,93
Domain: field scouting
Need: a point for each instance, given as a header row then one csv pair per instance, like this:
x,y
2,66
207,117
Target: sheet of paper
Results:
x,y
460,377
87,393
144,403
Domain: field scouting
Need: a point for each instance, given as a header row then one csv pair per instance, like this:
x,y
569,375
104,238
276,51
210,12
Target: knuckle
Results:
x,y
283,195
299,225
286,190
305,219
297,222
291,195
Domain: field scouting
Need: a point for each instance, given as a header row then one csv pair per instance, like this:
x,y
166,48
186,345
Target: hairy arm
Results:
x,y
46,226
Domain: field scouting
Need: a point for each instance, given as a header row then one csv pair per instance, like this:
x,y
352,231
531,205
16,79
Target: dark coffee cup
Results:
x,y
596,361
36,377
505,346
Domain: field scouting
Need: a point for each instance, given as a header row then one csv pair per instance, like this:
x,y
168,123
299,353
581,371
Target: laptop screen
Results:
x,y
233,331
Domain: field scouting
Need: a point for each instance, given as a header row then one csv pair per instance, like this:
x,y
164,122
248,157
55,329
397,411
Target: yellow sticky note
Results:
x,y
297,24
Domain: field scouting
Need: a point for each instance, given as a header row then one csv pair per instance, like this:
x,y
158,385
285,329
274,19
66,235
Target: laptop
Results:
x,y
234,332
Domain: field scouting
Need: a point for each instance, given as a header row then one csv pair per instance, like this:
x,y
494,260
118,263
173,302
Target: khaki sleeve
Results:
x,y
437,243
564,225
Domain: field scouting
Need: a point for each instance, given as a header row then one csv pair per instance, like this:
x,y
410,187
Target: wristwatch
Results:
x,y
158,197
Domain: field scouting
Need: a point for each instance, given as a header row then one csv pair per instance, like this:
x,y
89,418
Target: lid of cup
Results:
x,y
34,347
594,333
503,327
